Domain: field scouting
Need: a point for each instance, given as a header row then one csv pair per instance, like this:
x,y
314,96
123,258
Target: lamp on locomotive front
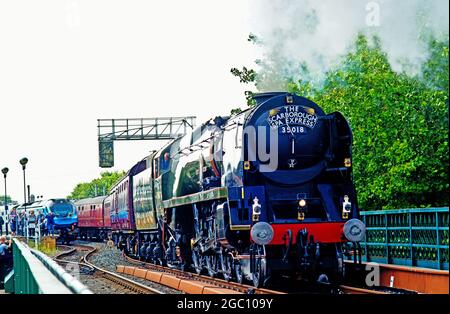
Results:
x,y
289,99
301,210
256,209
347,162
346,207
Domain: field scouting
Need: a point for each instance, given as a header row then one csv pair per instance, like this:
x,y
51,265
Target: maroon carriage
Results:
x,y
92,221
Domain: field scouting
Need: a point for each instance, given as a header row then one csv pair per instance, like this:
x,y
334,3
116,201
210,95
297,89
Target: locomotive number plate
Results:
x,y
293,130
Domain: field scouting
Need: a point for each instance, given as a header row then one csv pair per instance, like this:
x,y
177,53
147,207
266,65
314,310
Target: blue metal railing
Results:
x,y
412,237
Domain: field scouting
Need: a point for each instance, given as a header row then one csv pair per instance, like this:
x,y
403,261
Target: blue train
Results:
x,y
66,218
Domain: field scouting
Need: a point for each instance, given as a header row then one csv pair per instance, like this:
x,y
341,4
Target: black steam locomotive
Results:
x,y
263,193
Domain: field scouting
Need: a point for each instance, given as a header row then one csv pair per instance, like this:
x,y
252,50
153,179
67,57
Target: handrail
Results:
x,y
404,211
36,273
415,237
68,280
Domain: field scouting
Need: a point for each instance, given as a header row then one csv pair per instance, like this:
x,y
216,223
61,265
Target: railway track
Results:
x,y
356,290
374,290
79,255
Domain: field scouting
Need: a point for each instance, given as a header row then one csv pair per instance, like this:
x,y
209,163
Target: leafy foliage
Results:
x,y
245,75
250,102
97,187
2,199
435,70
399,122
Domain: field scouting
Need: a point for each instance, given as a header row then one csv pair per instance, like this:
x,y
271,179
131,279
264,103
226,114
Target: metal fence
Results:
x,y
411,237
35,273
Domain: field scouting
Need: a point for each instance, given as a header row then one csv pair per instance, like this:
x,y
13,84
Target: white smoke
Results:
x,y
319,32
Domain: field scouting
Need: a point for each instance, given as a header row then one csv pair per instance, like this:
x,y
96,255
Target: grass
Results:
x,y
46,246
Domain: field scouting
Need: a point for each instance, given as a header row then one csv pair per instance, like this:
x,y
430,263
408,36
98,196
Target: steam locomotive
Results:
x,y
264,193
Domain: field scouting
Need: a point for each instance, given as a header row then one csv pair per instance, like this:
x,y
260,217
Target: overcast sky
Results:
x,y
66,63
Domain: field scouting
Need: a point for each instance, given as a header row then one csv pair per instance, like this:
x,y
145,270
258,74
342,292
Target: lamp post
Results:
x,y
5,171
24,162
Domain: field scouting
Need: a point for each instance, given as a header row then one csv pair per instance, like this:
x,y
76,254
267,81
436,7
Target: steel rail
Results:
x,y
355,290
118,279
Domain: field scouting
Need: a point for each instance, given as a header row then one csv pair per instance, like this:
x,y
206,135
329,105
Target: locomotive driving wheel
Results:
x,y
258,260
226,265
212,264
197,260
237,271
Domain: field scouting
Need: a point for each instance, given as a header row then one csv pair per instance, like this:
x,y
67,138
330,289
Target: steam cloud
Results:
x,y
318,32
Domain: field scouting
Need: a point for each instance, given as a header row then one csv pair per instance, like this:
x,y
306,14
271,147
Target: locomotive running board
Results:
x,y
240,227
213,194
247,256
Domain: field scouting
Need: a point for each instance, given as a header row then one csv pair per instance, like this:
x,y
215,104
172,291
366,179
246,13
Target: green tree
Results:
x,y
97,187
2,199
400,126
435,70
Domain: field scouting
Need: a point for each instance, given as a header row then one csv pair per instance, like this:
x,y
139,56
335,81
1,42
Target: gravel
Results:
x,y
108,258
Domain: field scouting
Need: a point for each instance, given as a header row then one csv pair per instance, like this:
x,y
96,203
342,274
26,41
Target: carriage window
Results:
x,y
156,167
165,162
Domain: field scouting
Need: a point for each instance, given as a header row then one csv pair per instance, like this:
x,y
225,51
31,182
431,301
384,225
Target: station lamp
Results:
x,y
5,172
24,162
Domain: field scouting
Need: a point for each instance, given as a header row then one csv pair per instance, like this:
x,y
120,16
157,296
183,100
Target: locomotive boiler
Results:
x,y
264,193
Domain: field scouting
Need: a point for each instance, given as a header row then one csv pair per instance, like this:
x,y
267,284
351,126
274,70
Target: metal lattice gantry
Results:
x,y
162,128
